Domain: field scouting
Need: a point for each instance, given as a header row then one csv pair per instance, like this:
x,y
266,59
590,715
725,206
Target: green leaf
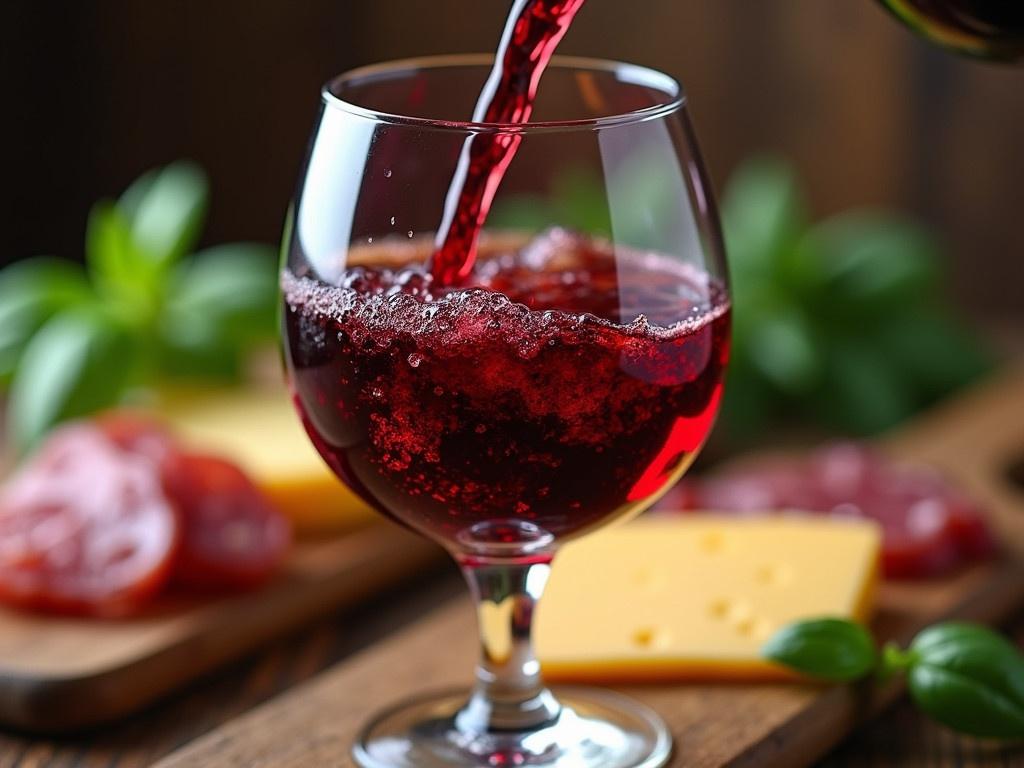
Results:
x,y
762,215
783,350
969,678
749,405
228,293
577,201
30,292
528,213
975,652
828,649
120,272
939,354
965,704
870,262
76,364
184,356
581,202
165,211
861,392
131,199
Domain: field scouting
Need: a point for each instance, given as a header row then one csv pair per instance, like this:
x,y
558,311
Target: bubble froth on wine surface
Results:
x,y
588,371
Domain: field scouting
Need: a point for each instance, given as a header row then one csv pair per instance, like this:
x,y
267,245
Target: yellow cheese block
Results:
x,y
696,596
260,431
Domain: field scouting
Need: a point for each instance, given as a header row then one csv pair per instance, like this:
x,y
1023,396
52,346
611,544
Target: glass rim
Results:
x,y
634,74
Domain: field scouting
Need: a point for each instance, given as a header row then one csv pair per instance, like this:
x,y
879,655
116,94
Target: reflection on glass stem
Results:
x,y
509,692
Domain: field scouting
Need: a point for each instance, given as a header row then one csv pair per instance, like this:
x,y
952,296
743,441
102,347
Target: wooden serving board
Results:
x,y
59,674
977,439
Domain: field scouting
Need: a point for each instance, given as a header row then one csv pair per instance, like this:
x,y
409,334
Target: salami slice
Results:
x,y
138,433
233,536
929,527
85,528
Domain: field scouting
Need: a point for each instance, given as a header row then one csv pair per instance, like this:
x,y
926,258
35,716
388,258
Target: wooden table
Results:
x,y
899,738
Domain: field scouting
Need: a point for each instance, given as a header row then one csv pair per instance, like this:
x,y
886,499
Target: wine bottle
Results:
x,y
987,29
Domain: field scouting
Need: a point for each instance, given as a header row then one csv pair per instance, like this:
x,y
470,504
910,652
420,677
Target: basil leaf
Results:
x,y
577,200
119,270
976,653
969,678
861,392
183,356
937,352
130,200
964,704
528,213
30,292
582,203
228,293
871,262
749,405
762,215
828,649
165,210
77,363
782,348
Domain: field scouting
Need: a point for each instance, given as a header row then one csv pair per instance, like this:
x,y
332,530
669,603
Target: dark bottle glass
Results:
x,y
987,29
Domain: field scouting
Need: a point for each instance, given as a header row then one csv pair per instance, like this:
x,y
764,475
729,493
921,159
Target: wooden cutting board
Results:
x,y
978,439
59,674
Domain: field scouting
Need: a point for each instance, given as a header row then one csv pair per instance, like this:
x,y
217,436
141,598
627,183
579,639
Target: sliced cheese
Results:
x,y
696,596
260,431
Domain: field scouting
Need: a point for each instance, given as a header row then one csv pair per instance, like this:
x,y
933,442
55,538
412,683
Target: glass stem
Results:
x,y
509,693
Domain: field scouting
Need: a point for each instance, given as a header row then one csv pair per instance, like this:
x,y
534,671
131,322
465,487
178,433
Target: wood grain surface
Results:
x,y
900,738
58,674
714,725
975,439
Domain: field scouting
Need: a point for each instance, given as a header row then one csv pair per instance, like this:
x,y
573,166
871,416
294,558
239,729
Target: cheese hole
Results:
x,y
649,637
719,609
712,542
729,610
755,628
647,578
774,575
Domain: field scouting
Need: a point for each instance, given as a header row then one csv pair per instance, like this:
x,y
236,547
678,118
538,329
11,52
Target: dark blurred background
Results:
x,y
97,92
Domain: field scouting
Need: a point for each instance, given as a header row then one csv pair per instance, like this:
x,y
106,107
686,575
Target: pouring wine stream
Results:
x,y
531,35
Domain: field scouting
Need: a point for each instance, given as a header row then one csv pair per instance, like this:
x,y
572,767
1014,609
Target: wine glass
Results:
x,y
568,384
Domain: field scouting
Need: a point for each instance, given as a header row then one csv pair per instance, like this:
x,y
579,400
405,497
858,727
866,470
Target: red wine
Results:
x,y
992,29
532,32
525,397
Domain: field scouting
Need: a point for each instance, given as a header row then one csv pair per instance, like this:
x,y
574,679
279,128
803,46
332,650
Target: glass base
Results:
x,y
593,728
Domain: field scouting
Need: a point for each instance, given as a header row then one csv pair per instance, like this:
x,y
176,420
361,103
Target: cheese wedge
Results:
x,y
258,429
696,596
